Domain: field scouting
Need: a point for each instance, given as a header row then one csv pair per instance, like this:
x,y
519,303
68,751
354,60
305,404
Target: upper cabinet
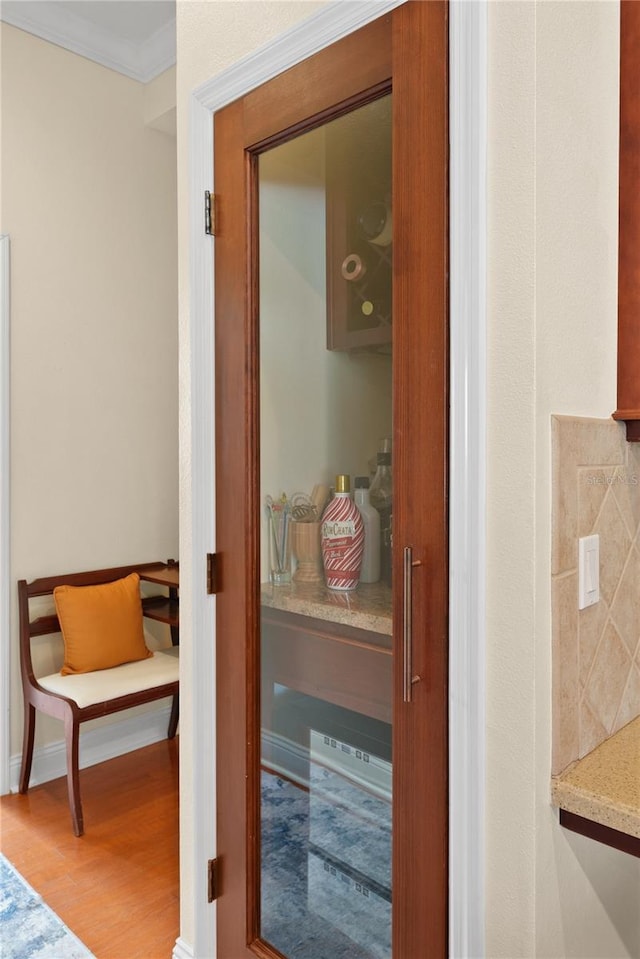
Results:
x,y
629,224
359,230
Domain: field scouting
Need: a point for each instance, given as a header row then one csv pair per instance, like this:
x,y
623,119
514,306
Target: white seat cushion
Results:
x,y
86,689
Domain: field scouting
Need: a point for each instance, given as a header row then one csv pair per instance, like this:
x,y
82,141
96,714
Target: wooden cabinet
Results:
x,y
359,231
629,223
308,647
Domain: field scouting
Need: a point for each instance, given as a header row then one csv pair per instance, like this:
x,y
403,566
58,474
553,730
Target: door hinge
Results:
x,y
213,574
210,219
213,880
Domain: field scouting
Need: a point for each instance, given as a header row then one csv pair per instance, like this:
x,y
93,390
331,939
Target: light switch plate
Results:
x,y
588,571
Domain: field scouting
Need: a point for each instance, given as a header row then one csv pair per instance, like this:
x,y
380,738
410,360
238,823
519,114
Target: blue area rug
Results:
x,y
29,929
326,856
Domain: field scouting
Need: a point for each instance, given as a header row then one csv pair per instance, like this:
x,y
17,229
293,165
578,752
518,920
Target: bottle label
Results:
x,y
338,530
342,544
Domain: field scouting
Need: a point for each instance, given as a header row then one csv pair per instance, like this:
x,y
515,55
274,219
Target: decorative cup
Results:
x,y
280,524
306,549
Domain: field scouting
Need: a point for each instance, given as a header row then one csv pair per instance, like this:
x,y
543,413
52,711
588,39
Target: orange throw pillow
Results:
x,y
101,625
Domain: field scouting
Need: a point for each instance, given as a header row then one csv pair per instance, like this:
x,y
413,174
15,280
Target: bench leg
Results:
x,y
175,714
27,746
72,738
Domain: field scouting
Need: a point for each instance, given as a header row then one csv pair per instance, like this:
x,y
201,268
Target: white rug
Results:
x,y
29,929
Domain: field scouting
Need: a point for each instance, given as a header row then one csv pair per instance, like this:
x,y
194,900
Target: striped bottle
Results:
x,y
342,534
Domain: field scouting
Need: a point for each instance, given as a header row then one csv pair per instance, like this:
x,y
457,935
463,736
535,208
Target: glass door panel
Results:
x,y
325,343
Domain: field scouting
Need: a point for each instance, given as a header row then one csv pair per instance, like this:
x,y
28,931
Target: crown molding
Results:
x,y
58,25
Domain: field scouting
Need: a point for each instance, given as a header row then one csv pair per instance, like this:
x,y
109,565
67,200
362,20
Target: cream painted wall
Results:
x,y
551,314
89,199
511,720
552,345
587,895
159,102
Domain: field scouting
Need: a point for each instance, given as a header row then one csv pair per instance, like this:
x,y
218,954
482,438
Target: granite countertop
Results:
x,y
604,786
367,607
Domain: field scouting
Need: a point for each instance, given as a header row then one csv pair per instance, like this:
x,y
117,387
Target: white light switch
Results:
x,y
588,571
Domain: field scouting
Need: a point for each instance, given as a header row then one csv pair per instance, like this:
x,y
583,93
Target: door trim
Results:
x,y
467,473
5,515
468,132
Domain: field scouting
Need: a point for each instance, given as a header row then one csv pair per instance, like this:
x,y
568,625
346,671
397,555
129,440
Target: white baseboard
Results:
x,y
285,758
182,950
96,746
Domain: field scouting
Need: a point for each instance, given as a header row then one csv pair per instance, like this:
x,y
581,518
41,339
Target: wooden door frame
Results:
x,y
405,53
468,123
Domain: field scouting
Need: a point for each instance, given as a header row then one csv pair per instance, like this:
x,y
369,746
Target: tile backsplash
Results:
x,y
596,651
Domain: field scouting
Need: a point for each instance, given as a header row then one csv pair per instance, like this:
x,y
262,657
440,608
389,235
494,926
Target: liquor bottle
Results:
x,y
381,496
375,223
342,536
373,295
370,569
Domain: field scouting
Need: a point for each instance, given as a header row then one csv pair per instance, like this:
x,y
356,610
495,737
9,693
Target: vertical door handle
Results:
x,y
408,679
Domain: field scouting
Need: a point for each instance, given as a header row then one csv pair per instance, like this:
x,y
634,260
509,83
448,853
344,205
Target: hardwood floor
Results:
x,y
117,886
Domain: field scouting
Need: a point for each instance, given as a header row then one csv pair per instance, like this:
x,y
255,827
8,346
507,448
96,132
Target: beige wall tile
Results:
x,y
590,442
592,732
608,678
602,442
615,544
630,705
591,623
593,485
564,507
632,461
566,693
626,490
625,609
577,442
596,489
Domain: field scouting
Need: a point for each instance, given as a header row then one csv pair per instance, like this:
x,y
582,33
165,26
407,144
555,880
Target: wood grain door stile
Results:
x,y
629,222
420,442
406,51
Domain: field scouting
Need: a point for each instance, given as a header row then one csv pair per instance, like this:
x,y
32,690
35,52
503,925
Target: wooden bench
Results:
x,y
75,699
